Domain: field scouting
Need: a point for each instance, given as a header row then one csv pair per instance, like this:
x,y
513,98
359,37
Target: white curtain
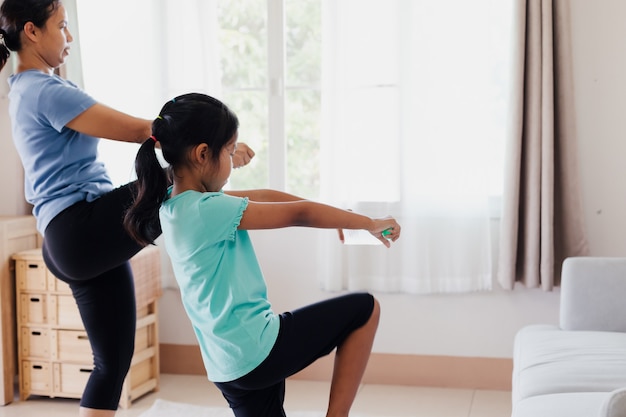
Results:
x,y
413,120
138,54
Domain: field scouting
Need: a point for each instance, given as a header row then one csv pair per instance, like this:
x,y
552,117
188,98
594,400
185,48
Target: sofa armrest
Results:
x,y
615,404
593,294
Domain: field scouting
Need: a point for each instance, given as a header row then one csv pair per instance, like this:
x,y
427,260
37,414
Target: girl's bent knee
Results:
x,y
375,311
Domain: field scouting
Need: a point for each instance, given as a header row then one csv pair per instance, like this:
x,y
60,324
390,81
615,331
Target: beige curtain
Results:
x,y
542,219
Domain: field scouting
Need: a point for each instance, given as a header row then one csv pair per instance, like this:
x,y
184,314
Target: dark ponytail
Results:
x,y
142,218
184,122
4,51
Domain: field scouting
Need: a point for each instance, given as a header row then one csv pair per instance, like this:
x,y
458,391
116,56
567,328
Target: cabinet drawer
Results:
x,y
64,312
57,310
31,275
142,372
33,309
71,346
70,379
56,285
142,339
36,378
34,343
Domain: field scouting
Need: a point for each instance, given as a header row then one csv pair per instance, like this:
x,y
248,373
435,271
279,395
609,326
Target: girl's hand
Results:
x,y
342,239
386,230
243,155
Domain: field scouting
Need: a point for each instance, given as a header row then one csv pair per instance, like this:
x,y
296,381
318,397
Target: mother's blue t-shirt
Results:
x,y
61,166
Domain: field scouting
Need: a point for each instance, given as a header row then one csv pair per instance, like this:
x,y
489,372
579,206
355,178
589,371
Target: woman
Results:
x,y
56,127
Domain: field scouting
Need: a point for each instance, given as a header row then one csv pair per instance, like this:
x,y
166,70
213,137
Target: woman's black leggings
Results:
x,y
87,247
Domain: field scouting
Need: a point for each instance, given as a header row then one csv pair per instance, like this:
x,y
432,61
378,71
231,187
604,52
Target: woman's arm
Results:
x,y
104,122
101,121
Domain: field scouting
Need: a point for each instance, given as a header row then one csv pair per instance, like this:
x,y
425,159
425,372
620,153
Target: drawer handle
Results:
x,y
35,300
37,367
82,337
36,333
33,266
85,370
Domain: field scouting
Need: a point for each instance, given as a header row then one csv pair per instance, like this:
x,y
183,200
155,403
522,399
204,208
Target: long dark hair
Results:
x,y
14,14
183,123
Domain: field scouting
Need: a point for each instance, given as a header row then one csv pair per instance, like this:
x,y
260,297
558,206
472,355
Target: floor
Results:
x,y
372,400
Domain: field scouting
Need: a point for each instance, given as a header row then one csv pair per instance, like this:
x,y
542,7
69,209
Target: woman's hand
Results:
x,y
243,155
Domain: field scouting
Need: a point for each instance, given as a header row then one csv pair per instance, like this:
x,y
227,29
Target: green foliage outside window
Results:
x,y
244,62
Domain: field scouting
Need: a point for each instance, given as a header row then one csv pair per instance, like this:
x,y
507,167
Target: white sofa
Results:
x,y
576,369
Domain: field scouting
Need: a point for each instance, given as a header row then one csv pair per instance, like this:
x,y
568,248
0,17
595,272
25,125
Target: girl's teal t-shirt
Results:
x,y
222,287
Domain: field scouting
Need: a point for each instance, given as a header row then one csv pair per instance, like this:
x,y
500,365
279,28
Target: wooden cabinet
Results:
x,y
17,233
54,354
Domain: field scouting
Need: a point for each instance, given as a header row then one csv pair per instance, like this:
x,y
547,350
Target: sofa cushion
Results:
x,y
548,360
580,404
592,294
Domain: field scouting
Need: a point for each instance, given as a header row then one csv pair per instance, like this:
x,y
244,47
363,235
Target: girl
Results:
x,y
247,349
56,127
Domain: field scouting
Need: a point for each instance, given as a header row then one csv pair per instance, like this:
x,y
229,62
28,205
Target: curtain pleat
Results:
x,y
542,219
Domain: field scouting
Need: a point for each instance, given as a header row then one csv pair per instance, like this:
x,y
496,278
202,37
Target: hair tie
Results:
x,y
153,138
159,117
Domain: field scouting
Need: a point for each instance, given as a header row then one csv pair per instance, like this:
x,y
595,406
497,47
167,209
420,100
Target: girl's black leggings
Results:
x,y
305,335
87,247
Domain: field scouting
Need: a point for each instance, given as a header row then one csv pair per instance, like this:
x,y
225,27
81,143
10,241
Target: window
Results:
x,y
270,78
386,106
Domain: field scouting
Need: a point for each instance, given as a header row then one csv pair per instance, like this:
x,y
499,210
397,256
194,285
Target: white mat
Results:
x,y
163,408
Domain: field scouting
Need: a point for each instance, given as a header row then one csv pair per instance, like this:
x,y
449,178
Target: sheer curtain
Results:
x,y
138,54
413,118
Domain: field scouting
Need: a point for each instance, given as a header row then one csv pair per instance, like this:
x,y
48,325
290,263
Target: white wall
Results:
x,y
11,173
599,40
480,325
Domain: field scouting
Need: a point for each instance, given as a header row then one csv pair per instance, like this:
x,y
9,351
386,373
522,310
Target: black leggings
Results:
x,y
305,335
87,247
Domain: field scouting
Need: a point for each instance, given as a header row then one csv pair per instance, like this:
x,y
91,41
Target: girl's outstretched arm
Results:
x,y
265,195
305,213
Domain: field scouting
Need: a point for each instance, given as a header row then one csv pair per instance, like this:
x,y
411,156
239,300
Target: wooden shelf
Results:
x,y
17,233
53,350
